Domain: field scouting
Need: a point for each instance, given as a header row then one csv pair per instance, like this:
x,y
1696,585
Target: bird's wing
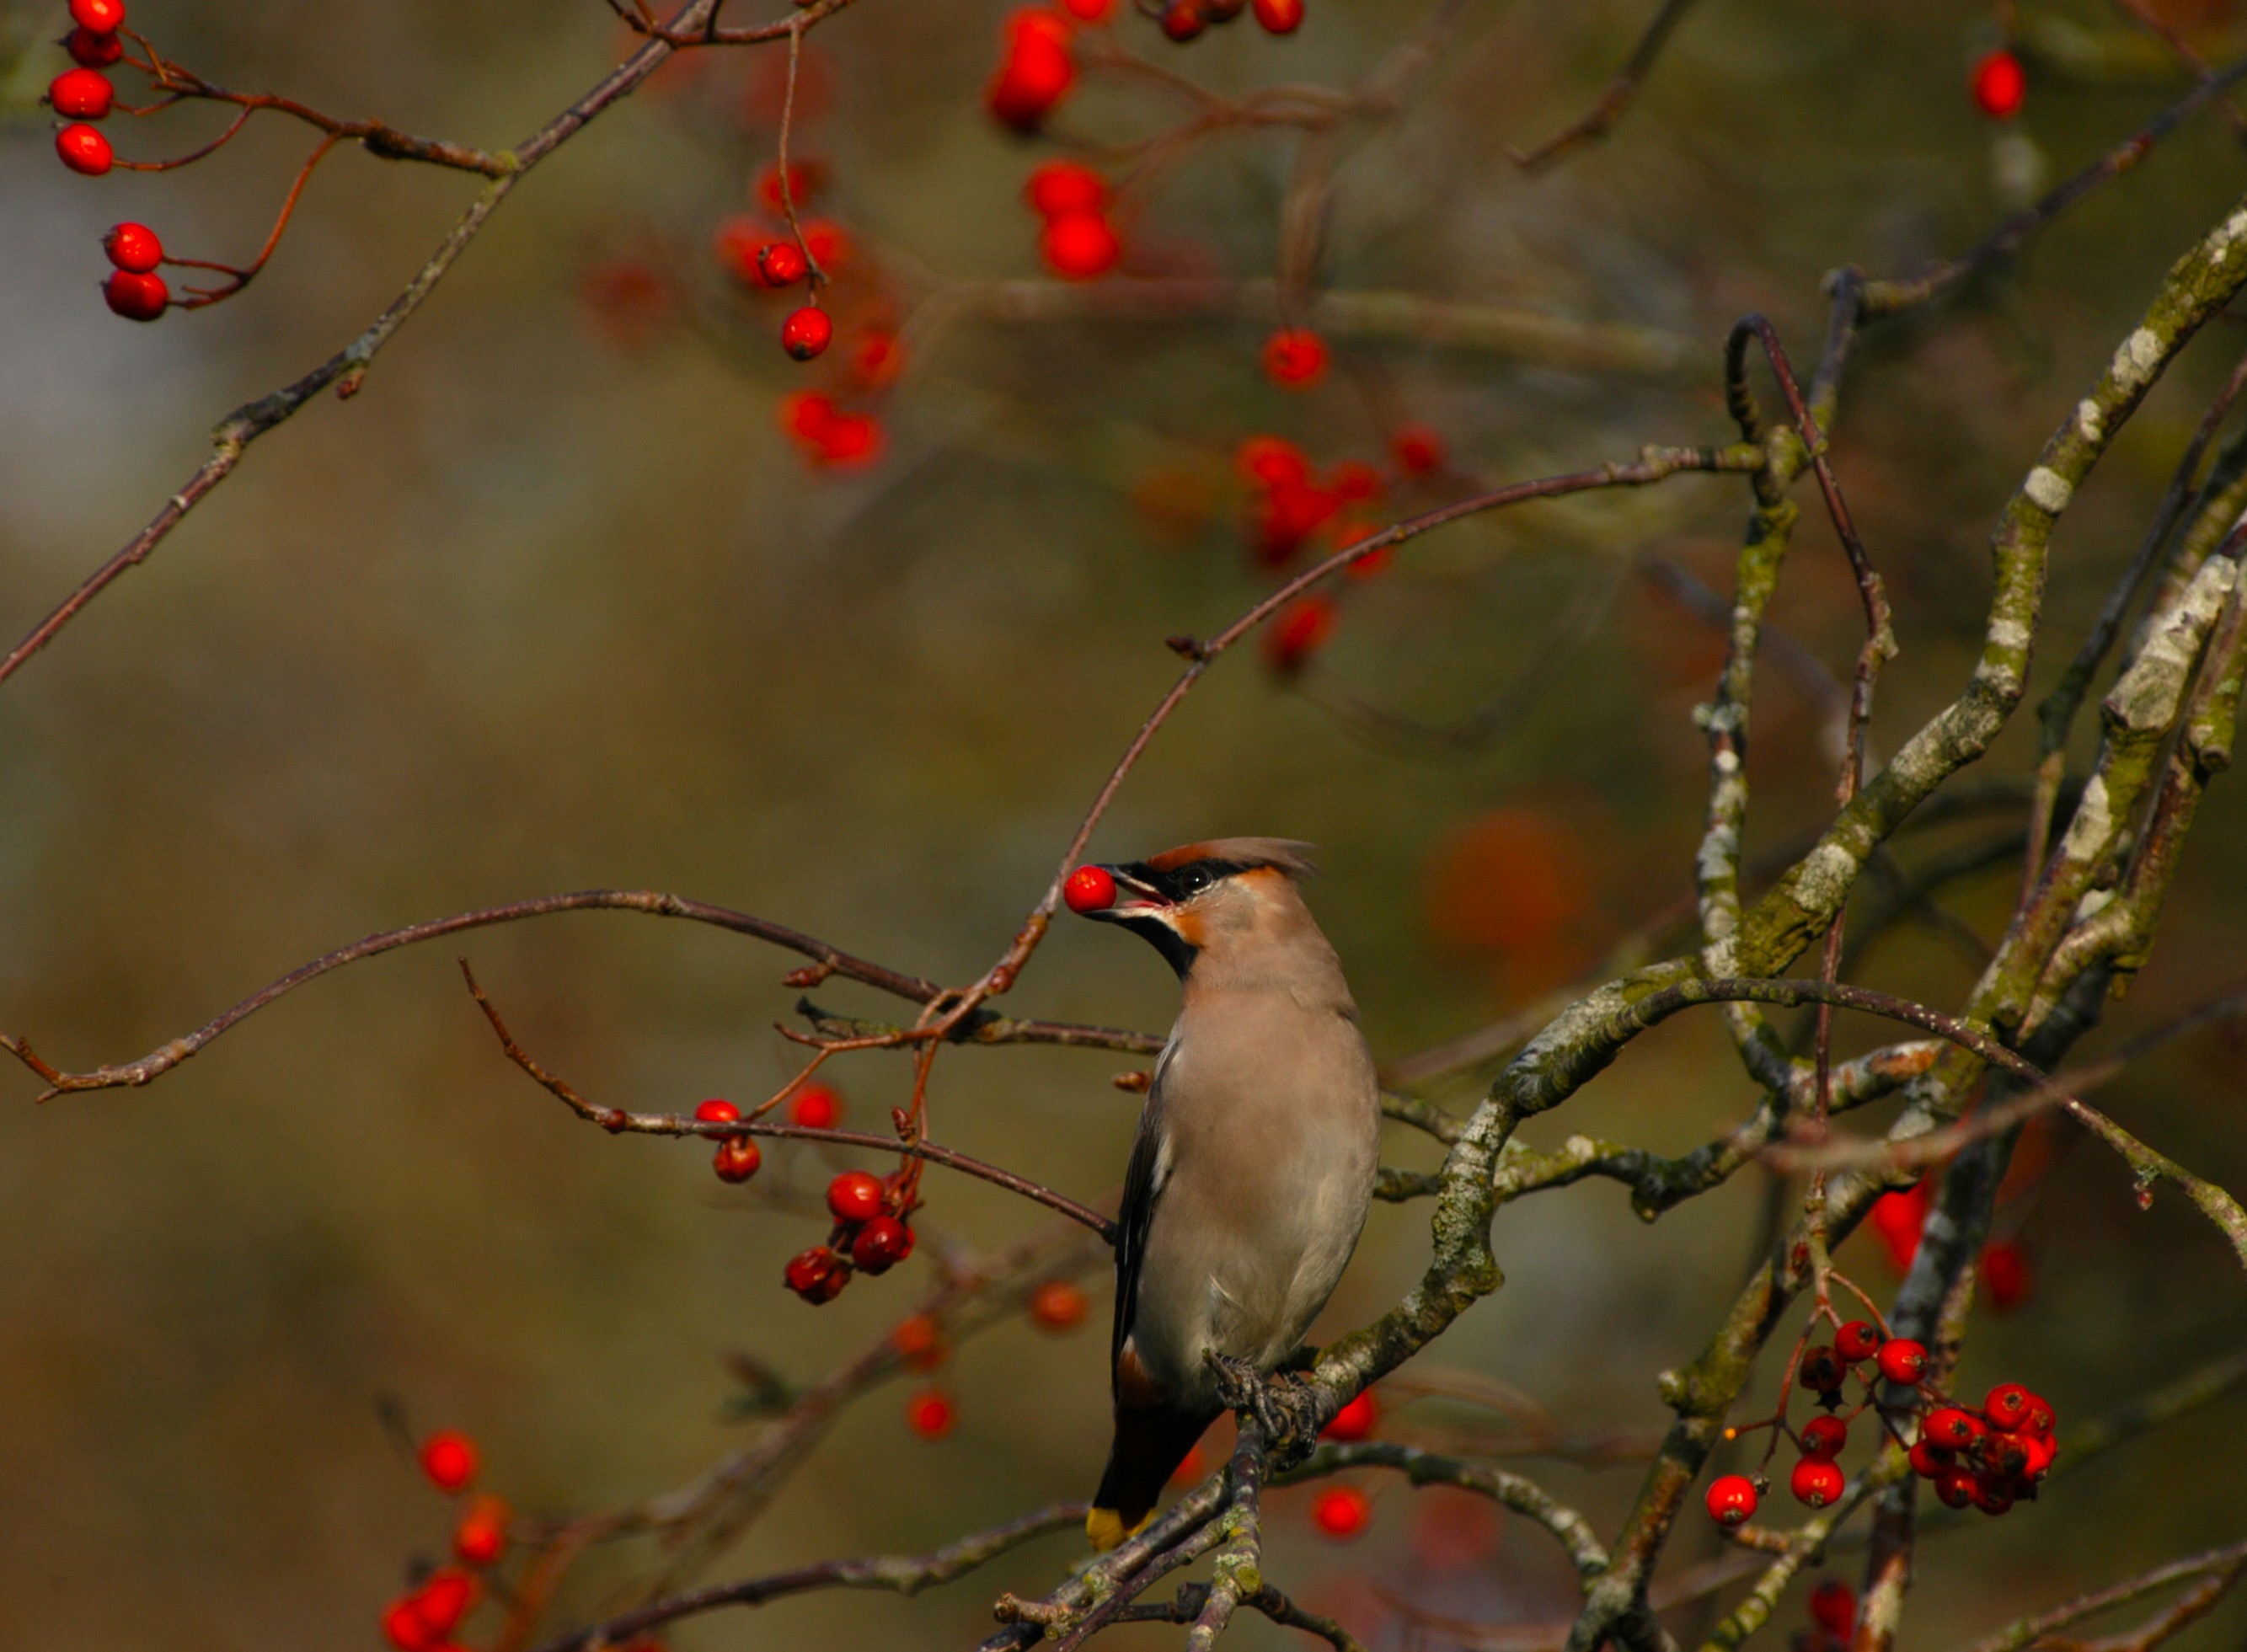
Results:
x,y
1143,1184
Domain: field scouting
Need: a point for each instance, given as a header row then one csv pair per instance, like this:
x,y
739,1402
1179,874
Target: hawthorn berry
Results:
x,y
442,1602
1280,17
85,150
931,1414
816,1107
806,332
1298,631
449,1459
1059,187
1858,1340
1058,1305
1356,1420
1824,1437
2007,1406
854,1195
90,50
1342,1513
1089,889
2000,85
135,296
881,1245
1902,1360
480,1536
1950,1428
737,1159
97,17
1815,1481
1418,450
1834,1606
1731,1499
1822,1370
1295,357
877,360
1183,19
919,1342
81,94
816,1275
1080,246
781,263
133,247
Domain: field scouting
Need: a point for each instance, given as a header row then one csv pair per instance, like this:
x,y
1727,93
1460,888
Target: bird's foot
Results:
x,y
1283,1405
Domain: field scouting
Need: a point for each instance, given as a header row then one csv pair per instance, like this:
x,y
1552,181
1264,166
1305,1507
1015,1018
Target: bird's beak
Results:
x,y
1134,898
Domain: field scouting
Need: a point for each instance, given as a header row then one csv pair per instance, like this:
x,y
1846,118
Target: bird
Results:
x,y
1256,1154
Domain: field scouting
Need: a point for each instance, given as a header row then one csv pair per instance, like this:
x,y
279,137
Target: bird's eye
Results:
x,y
1194,880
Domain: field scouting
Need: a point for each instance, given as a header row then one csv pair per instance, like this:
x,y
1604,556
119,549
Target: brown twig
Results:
x,y
1615,97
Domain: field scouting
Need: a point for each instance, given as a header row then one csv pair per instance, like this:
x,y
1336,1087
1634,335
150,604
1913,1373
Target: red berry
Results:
x,y
1356,1420
1080,246
136,298
1298,631
2041,1419
1902,1360
2004,1274
781,263
1295,357
1857,1340
445,1600
1815,1481
403,1628
1089,889
449,1459
1183,19
2000,85
854,1195
816,1275
97,17
1280,17
1354,483
1371,565
92,51
717,1112
1834,1606
1272,461
1059,1305
880,356
852,440
1061,186
806,331
2005,1455
1955,1487
2040,1451
1034,24
881,1245
81,94
816,1108
1731,1499
133,247
1950,1428
1822,1370
1824,1437
2007,1406
828,243
1342,1512
919,1342
1897,1220
1418,450
85,150
737,1159
931,1414
805,179
1036,73
1992,1496
1087,11
480,1538
1928,1459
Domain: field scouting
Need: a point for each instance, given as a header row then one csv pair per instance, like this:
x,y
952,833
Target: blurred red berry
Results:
x,y
1731,1499
85,150
1815,1481
805,181
1897,1220
806,414
781,263
480,1536
1059,1305
931,1414
852,440
1089,889
2000,85
445,1599
816,1107
1342,1512
1183,20
854,1195
1089,10
1295,357
1902,1360
1298,631
829,245
880,357
403,1628
1356,1420
717,1112
734,243
1354,483
1280,17
81,94
97,17
1824,1436
881,1245
1371,565
1858,1340
1834,1606
1418,449
92,50
133,247
1035,74
919,1342
1059,187
1080,246
737,1158
1272,461
136,297
449,1459
1290,514
806,332
2004,1274
816,1275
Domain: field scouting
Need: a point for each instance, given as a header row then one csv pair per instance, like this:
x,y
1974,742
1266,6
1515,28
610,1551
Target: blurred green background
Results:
x,y
552,605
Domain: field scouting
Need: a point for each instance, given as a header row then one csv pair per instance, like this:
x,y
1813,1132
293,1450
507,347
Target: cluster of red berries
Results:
x,y
424,1619
1989,1458
1183,20
870,1235
1342,1512
738,1158
921,1345
84,93
2000,85
1078,242
1290,503
765,258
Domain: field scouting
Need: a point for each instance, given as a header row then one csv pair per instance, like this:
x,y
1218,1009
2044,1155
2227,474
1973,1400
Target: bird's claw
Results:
x,y
1283,1405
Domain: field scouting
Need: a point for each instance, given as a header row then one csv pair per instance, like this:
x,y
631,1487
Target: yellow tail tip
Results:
x,y
1106,1529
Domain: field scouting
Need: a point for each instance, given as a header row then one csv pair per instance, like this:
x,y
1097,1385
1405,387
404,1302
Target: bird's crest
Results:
x,y
1239,854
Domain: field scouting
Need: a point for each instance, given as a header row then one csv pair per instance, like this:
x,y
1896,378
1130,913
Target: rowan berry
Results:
x,y
2005,1455
1295,357
781,263
2004,1274
1059,187
2040,1418
2007,1406
133,247
2040,1451
1824,1436
1731,1499
717,1112
1992,1496
1272,461
919,1342
931,1414
1834,1606
136,297
816,1275
1858,1340
1822,1370
443,1601
1353,481
449,1459
816,1107
480,1536
1036,72
1955,1487
881,1245
1950,1428
1342,1513
1356,1420
97,17
737,1158
855,1196
81,94
852,440
1059,1305
1089,889
1298,631
1418,450
1183,19
85,150
1902,1360
2000,85
1080,246
403,1628
1815,1481
1897,1220
1371,565
1089,10
92,50
1928,1459
806,332
1280,17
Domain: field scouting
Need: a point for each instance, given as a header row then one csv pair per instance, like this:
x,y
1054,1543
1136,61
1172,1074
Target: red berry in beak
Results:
x,y
1089,889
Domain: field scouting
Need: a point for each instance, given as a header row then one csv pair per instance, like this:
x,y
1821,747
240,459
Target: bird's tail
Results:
x,y
1150,1441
